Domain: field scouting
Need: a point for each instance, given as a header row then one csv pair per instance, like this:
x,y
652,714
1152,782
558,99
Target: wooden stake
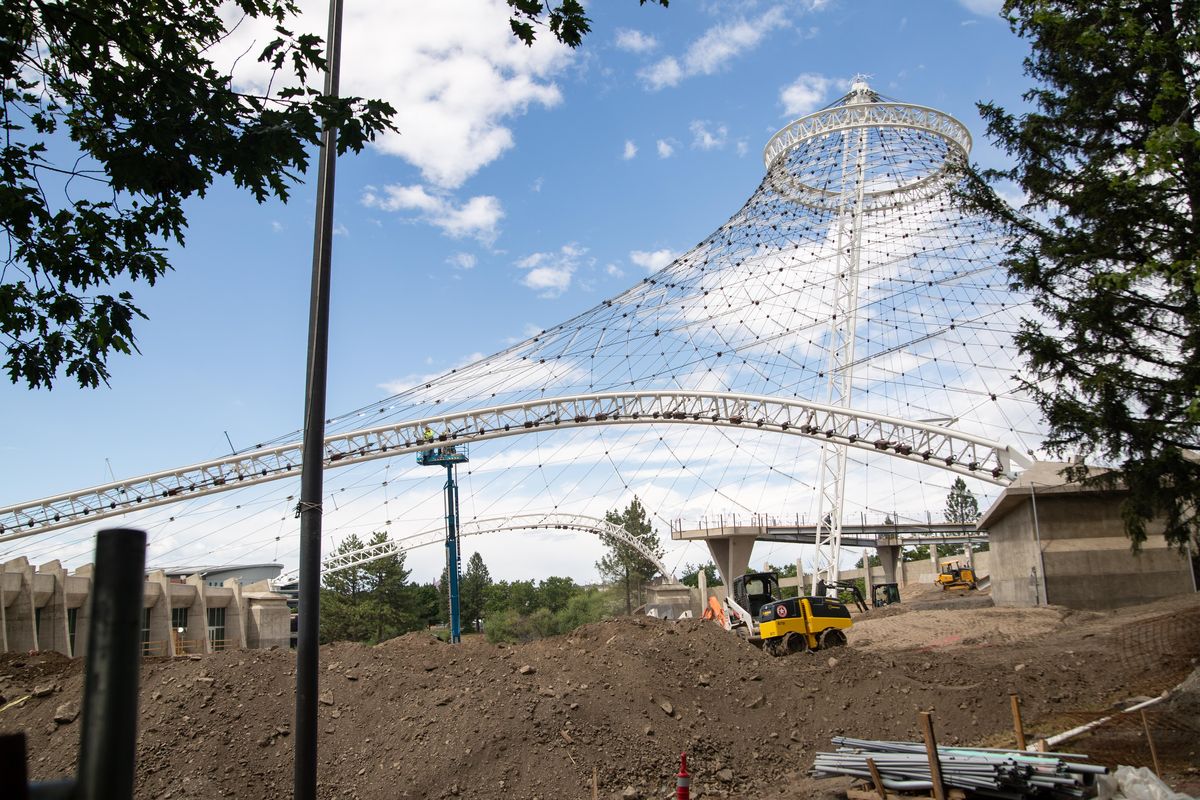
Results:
x,y
595,783
1150,741
935,767
1016,712
876,779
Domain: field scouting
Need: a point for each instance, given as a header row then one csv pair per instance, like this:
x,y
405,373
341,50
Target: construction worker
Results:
x,y
428,434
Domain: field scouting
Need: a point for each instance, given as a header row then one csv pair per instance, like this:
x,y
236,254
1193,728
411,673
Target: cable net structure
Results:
x,y
850,278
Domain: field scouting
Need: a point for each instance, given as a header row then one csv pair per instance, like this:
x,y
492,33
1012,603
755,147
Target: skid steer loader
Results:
x,y
758,612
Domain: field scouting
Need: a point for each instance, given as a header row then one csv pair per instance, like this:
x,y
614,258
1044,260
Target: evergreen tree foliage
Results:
x,y
370,602
1108,242
624,564
473,590
961,505
691,575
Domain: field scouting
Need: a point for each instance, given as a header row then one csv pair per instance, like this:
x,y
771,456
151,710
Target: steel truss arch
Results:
x,y
938,446
515,522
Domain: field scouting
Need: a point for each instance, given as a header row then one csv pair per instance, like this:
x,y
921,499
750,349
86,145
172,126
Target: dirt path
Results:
x,y
416,718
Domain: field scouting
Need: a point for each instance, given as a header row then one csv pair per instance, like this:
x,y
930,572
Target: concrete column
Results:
x,y
19,619
889,560
867,579
83,622
235,614
702,582
800,588
53,632
731,555
160,605
201,606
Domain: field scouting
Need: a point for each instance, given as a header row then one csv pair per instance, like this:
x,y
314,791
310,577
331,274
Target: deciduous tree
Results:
x,y
114,116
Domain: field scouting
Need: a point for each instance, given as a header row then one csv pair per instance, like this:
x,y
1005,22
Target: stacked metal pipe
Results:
x,y
985,772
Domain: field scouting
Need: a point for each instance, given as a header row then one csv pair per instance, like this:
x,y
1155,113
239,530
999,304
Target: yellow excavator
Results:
x,y
758,612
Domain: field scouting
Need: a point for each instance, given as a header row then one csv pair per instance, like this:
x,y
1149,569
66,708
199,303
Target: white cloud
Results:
x,y
462,261
713,50
742,147
805,94
665,148
478,217
550,274
340,230
406,382
652,261
635,41
536,186
706,138
612,270
453,85
276,226
630,150
984,8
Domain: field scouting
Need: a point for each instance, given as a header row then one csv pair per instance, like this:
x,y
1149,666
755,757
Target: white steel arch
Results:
x,y
941,447
516,522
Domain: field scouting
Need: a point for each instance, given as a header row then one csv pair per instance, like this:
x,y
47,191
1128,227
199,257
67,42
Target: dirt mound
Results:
x,y
416,718
943,627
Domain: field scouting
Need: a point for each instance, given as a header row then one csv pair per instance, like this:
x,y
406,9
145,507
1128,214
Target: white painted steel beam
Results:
x,y
944,448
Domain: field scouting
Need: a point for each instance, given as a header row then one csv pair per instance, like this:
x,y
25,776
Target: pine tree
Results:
x,y
623,563
473,590
1108,242
961,505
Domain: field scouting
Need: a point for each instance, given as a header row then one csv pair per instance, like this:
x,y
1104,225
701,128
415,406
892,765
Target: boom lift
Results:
x,y
758,612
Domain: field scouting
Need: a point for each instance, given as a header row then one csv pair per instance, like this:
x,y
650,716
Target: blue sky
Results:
x,y
524,187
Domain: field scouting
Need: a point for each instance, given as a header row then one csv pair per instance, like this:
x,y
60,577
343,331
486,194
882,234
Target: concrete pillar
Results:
x,y
702,582
235,614
867,579
19,617
800,589
889,560
52,634
731,555
159,601
83,620
201,607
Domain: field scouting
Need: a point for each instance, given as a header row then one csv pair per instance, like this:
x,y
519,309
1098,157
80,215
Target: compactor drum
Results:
x,y
781,626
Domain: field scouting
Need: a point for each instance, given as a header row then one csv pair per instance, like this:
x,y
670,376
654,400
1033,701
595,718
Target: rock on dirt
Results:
x,y
406,730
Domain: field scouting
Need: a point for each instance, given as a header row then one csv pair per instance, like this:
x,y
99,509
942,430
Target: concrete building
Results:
x,y
48,609
1064,544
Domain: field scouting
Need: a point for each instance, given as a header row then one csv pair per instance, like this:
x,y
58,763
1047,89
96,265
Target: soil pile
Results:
x,y
416,718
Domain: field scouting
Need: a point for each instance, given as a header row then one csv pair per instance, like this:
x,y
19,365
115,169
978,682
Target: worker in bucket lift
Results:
x,y
428,434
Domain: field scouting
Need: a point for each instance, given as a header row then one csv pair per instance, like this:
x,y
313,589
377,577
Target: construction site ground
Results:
x,y
416,718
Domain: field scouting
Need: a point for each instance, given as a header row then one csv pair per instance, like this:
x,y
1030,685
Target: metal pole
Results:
x,y
1037,532
452,553
313,458
108,740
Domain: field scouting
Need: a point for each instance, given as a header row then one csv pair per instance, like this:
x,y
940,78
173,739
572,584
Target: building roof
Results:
x,y
1043,478
207,569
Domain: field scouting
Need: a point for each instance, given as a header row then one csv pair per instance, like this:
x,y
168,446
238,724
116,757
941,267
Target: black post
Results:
x,y
312,468
108,740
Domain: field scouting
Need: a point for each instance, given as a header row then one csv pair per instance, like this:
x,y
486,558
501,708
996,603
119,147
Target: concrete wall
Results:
x,y
36,608
1064,544
268,620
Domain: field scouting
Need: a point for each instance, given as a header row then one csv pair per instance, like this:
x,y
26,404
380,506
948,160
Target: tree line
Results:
x,y
374,600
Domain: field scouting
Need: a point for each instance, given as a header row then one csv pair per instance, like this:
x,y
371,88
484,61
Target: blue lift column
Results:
x,y
450,457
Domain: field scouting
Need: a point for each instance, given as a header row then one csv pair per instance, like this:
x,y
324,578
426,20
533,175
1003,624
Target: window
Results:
x,y
216,628
72,622
145,631
37,625
179,618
